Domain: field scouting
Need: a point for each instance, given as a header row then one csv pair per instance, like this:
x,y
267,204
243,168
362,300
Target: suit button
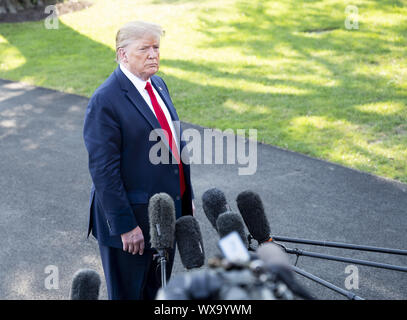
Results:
x,y
176,171
177,197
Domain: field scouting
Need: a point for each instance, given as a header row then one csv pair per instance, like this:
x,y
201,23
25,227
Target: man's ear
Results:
x,y
122,54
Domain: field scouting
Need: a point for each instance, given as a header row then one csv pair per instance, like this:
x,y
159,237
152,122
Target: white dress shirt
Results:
x,y
140,86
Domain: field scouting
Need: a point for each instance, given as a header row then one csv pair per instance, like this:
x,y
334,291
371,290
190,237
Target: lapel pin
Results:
x,y
160,88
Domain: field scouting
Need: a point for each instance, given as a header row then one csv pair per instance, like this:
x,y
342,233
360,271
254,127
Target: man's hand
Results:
x,y
133,241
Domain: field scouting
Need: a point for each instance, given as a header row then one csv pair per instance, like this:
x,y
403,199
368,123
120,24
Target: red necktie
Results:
x,y
166,127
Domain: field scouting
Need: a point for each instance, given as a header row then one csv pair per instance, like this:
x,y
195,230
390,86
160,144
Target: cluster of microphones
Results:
x,y
240,272
263,275
250,267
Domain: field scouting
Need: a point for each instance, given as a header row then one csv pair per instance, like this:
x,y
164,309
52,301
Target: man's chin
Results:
x,y
153,70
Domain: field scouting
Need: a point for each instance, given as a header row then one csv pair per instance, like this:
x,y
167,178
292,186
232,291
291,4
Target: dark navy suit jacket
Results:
x,y
116,132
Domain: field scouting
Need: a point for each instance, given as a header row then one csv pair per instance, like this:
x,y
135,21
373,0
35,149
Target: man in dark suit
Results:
x,y
122,115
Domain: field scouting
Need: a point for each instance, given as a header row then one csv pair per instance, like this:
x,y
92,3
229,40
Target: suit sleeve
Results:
x,y
102,136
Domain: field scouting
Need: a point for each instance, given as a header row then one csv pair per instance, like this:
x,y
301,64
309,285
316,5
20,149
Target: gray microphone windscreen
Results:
x,y
189,240
214,203
228,222
252,210
85,285
161,213
277,262
272,254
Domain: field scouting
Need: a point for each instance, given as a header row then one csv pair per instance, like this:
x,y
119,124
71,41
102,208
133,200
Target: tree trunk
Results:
x,y
2,7
27,4
10,6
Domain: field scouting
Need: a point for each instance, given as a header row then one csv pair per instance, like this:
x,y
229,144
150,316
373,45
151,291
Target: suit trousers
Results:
x,y
132,277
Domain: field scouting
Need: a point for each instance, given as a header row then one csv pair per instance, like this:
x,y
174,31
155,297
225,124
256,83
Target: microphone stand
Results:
x,y
300,252
162,259
350,295
341,245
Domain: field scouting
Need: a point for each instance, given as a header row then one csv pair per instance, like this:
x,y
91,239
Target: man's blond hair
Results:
x,y
135,30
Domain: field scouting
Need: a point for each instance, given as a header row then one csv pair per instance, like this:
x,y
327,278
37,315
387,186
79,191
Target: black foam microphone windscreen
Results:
x,y
252,210
85,285
228,222
189,240
161,213
214,203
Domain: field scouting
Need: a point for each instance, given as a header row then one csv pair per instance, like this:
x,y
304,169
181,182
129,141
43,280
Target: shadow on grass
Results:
x,y
308,139
261,34
70,58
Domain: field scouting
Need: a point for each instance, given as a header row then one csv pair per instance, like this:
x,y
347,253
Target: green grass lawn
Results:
x,y
339,94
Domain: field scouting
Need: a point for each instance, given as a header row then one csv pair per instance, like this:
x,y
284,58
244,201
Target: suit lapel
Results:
x,y
141,105
164,96
170,107
136,99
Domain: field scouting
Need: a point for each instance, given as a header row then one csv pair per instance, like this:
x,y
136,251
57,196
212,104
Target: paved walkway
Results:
x,y
44,189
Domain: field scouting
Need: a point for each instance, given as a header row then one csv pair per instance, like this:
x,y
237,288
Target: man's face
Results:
x,y
142,57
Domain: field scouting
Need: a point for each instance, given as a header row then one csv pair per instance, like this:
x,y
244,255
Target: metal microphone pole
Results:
x,y
341,245
350,295
300,252
163,264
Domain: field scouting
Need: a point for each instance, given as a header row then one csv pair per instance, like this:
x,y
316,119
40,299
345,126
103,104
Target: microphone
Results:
x,y
272,254
277,262
252,210
195,285
190,244
228,222
214,203
85,285
161,212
